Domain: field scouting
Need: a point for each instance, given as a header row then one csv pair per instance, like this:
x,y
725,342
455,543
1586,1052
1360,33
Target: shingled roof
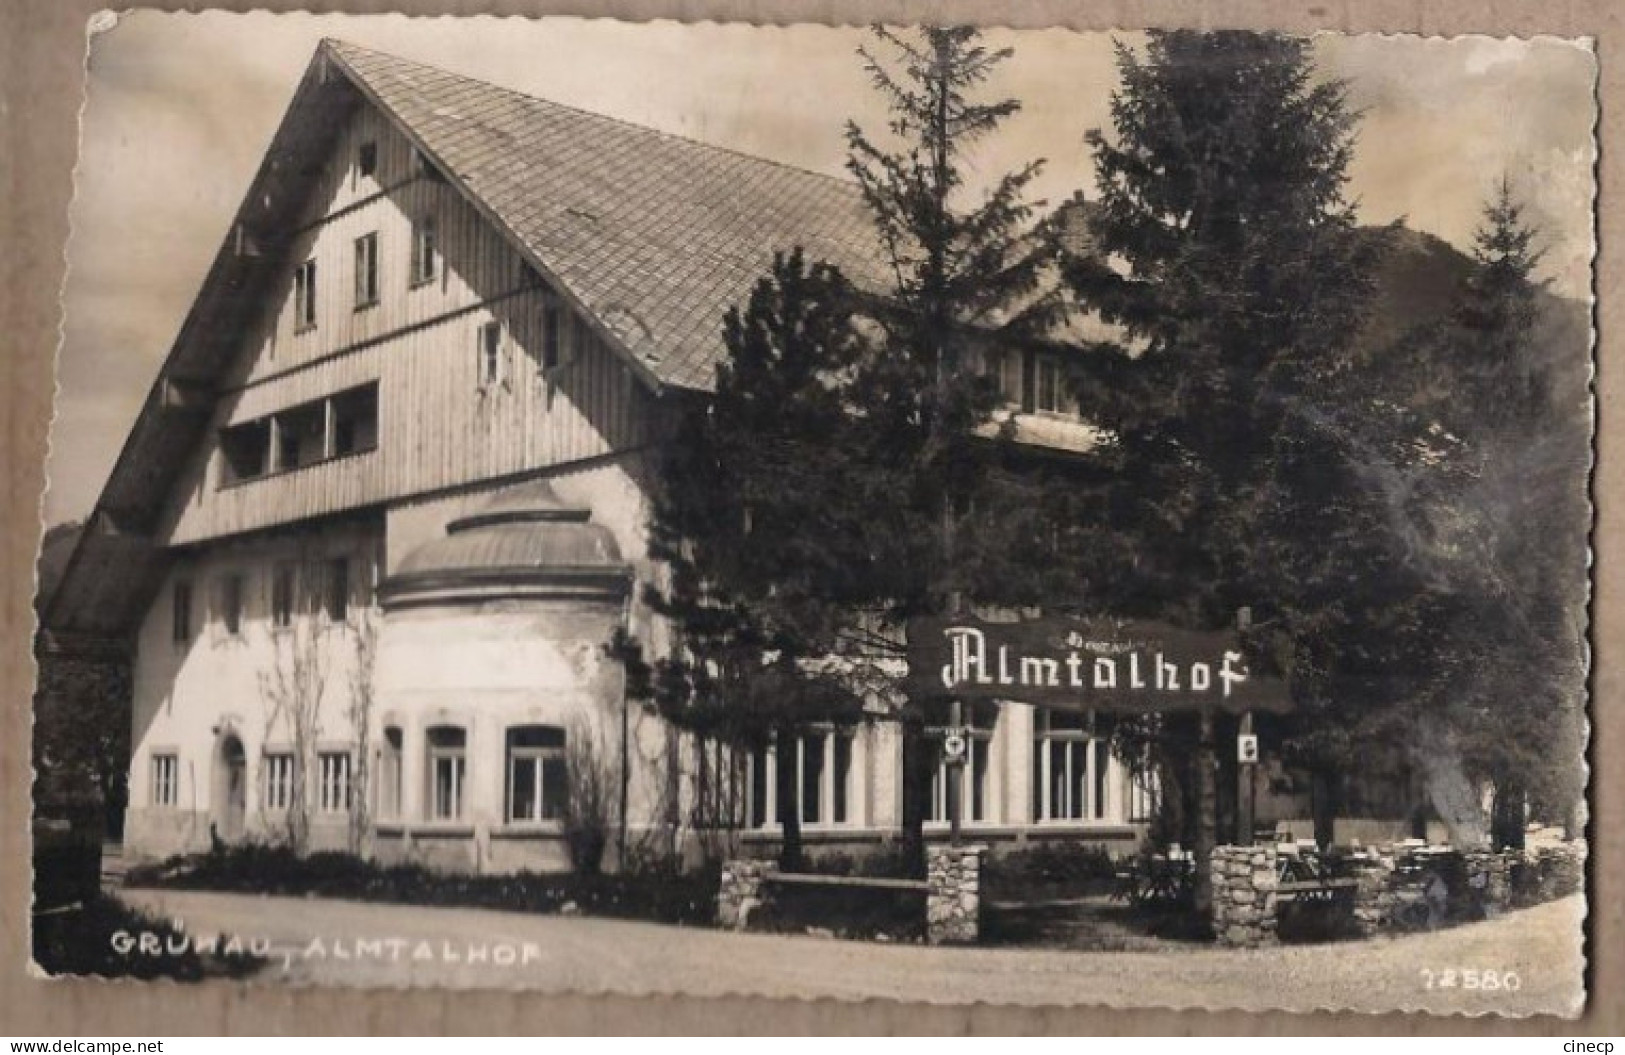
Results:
x,y
654,235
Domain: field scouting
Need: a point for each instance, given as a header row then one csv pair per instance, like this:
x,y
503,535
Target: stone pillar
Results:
x,y
740,892
1244,882
1374,896
953,896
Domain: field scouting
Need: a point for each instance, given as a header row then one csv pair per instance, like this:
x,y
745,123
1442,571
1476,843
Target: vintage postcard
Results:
x,y
911,512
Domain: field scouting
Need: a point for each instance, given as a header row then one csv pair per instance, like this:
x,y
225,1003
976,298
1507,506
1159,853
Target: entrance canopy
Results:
x,y
1114,666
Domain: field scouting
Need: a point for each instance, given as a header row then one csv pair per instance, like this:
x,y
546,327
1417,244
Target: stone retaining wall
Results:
x,y
953,899
1244,882
953,913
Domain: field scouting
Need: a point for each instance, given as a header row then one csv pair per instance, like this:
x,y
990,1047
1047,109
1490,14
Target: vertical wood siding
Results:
x,y
438,427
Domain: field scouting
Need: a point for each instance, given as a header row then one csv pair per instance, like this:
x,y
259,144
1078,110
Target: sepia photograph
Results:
x,y
943,514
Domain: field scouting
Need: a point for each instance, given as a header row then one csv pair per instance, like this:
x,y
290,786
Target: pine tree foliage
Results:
x,y
842,480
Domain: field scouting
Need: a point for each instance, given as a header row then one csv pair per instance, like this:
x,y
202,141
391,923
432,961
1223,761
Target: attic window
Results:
x,y
304,297
490,354
366,159
425,250
422,166
366,270
552,336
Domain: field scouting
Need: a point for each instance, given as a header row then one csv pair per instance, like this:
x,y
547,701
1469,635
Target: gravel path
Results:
x,y
347,943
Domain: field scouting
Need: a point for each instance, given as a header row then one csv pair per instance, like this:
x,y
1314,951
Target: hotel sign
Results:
x,y
1111,665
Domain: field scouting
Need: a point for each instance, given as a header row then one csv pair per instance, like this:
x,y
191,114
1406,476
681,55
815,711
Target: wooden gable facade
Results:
x,y
395,301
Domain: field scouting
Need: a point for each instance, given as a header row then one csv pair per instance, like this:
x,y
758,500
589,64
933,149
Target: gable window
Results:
x,y
366,158
278,780
1069,768
366,270
165,779
490,354
336,589
181,612
425,250
231,604
282,589
552,336
389,773
333,782
304,297
448,765
537,786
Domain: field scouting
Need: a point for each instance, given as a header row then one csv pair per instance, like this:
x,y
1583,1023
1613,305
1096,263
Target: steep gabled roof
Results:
x,y
654,236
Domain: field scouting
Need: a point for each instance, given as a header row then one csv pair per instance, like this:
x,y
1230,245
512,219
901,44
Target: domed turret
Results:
x,y
524,542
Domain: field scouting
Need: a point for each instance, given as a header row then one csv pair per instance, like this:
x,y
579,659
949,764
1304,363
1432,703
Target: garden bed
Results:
x,y
661,893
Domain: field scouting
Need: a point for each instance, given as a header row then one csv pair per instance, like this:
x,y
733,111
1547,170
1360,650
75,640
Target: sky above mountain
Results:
x,y
180,108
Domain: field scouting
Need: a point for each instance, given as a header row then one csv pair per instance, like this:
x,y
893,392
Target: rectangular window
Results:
x,y
304,297
537,782
336,589
300,436
425,250
355,420
1069,768
1050,387
245,451
181,612
447,767
333,773
761,788
366,270
279,780
721,786
389,773
366,160
552,335
813,765
282,591
490,353
231,604
165,780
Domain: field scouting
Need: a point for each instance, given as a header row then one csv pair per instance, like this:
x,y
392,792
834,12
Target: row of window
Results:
x,y
424,266
332,785
323,587
1069,778
334,426
425,259
1070,769
1036,382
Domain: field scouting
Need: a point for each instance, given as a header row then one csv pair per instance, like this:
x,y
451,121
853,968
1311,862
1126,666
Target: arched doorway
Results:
x,y
231,789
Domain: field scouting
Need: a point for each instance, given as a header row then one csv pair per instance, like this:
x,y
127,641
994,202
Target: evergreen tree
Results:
x,y
1522,416
1225,251
966,289
842,481
755,532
